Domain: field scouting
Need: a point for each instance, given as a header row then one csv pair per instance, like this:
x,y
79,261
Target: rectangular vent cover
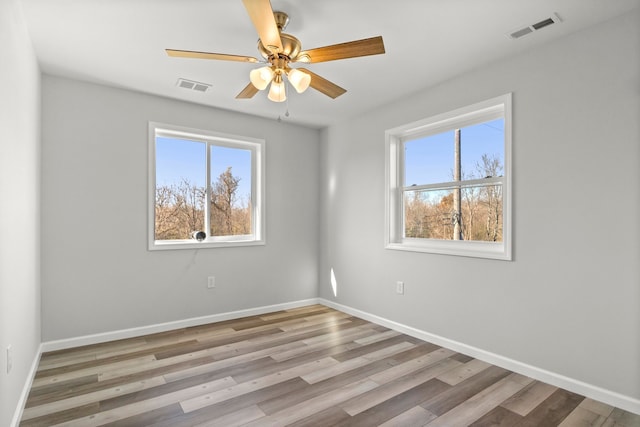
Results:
x,y
528,29
193,85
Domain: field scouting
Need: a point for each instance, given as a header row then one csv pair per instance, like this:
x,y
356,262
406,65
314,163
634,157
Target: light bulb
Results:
x,y
277,92
299,80
260,77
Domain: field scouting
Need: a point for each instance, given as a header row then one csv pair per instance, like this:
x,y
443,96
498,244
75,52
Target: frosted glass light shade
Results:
x,y
261,77
299,80
277,92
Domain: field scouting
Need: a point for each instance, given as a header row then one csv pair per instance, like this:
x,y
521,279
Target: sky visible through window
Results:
x,y
430,159
178,159
427,160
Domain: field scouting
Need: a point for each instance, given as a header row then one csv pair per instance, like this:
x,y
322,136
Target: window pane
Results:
x,y
180,188
230,191
482,150
430,159
432,214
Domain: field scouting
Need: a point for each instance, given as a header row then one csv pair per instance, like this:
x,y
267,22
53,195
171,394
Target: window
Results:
x,y
448,182
205,189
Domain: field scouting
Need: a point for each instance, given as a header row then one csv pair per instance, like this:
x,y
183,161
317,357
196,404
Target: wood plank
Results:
x,y
462,358
377,337
315,405
151,417
217,344
331,416
479,404
498,417
198,402
317,320
459,393
469,369
173,386
625,418
234,419
583,417
531,396
365,349
289,313
120,355
419,350
55,391
62,416
413,365
597,407
85,399
92,349
553,410
58,362
141,407
326,340
220,409
110,369
214,365
274,366
400,385
396,404
416,416
351,364
294,397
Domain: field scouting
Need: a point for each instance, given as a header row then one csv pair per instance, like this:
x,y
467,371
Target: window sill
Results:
x,y
190,244
487,250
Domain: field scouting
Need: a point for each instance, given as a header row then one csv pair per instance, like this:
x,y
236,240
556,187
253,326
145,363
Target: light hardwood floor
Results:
x,y
310,366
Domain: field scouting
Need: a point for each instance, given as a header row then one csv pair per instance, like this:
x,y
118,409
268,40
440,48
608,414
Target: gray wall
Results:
x,y
19,206
98,275
570,301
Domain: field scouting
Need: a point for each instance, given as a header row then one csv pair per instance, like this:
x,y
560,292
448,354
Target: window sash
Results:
x,y
395,187
443,123
210,139
482,182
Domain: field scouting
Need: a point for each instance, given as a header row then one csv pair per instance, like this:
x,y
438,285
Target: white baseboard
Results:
x,y
168,326
17,415
594,392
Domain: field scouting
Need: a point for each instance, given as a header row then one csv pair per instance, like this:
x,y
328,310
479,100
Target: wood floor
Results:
x,y
310,366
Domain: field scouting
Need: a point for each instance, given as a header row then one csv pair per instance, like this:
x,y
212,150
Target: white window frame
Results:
x,y
394,176
257,148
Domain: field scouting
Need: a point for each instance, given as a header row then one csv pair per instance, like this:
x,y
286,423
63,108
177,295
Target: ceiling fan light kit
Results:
x,y
277,92
280,49
299,80
261,77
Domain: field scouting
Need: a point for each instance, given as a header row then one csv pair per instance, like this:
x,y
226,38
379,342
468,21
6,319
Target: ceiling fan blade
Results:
x,y
261,15
248,92
353,49
323,85
209,55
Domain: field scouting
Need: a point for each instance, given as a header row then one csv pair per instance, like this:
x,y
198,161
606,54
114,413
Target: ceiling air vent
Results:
x,y
528,29
190,84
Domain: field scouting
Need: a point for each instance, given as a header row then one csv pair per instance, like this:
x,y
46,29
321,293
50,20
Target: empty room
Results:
x,y
336,213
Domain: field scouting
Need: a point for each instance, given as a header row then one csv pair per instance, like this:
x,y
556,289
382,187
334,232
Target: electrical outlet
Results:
x,y
9,359
211,282
400,288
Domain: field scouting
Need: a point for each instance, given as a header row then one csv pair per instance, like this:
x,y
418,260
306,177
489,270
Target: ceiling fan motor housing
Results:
x,y
291,47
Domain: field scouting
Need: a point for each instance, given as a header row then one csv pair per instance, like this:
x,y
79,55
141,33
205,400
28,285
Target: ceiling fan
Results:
x,y
279,50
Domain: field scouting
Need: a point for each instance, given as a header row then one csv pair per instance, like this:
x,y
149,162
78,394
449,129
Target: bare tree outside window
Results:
x,y
180,209
230,214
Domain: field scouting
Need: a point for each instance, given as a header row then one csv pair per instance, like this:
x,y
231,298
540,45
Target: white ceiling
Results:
x,y
121,43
